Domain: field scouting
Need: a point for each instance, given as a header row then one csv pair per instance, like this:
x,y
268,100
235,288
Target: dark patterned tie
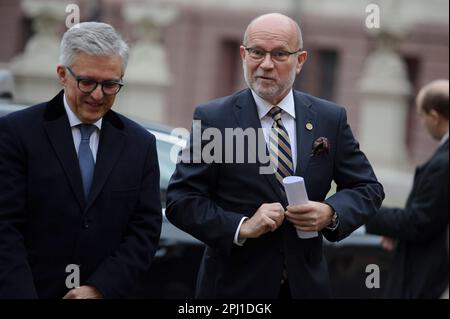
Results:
x,y
280,147
85,157
281,156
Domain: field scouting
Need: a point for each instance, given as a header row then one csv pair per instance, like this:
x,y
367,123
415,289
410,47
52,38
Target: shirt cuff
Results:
x,y
239,241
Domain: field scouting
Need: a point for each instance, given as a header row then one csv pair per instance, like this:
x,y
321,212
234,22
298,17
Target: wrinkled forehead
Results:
x,y
280,31
278,39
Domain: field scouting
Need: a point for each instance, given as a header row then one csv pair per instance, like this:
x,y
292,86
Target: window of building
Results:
x,y
318,76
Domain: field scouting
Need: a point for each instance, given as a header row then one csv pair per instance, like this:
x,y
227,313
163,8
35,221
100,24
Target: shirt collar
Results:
x,y
443,139
286,104
74,120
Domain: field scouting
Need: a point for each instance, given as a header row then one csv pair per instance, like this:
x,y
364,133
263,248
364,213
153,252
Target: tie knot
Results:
x,y
275,113
86,131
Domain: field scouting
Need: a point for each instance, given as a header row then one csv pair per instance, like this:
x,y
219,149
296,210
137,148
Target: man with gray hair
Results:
x,y
80,213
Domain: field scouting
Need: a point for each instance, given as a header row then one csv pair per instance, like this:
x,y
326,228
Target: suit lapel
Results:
x,y
304,115
57,127
246,115
112,141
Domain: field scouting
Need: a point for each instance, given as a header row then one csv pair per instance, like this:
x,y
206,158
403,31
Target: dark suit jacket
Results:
x,y
45,221
209,200
420,263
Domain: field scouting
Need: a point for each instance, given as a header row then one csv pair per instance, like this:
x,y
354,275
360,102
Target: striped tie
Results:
x,y
280,147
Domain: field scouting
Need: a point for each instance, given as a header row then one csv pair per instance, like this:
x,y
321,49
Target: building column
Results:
x,y
34,70
147,77
385,92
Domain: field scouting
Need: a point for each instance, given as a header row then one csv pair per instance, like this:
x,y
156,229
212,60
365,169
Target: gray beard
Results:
x,y
270,92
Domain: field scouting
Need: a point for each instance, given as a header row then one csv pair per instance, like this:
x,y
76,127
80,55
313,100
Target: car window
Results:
x,y
166,144
166,165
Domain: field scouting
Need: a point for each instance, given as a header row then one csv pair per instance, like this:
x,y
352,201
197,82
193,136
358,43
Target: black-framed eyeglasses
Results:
x,y
276,55
88,85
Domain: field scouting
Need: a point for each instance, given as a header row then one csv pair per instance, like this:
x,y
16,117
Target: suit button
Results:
x,y
85,225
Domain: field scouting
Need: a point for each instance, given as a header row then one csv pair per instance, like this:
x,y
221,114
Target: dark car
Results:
x,y
174,270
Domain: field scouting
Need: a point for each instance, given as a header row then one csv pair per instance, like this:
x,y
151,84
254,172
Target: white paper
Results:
x,y
295,189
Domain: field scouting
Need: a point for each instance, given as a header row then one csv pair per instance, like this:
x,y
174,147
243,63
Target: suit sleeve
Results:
x,y
189,198
426,213
16,280
358,194
118,274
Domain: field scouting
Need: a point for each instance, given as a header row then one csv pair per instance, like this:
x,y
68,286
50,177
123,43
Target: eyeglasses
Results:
x,y
88,85
277,55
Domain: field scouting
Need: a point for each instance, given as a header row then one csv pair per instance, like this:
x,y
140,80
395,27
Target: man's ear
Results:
x,y
61,72
301,59
242,52
434,116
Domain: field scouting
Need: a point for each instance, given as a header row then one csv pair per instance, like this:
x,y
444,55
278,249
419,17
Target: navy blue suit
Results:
x,y
209,200
45,221
419,267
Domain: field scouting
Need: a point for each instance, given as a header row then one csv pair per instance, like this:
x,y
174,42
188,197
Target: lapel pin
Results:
x,y
309,126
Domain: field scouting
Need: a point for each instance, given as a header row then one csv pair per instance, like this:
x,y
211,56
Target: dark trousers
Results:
x,y
285,291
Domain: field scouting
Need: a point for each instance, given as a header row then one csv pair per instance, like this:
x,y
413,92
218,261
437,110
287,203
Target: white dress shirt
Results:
x,y
288,119
76,134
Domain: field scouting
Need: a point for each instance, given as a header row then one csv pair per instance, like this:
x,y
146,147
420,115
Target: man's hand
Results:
x,y
267,218
83,292
388,243
313,216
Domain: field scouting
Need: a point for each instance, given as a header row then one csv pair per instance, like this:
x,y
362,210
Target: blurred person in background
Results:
x,y
445,294
418,233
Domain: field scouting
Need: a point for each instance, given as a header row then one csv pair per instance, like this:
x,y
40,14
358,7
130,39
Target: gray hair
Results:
x,y
93,38
299,31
